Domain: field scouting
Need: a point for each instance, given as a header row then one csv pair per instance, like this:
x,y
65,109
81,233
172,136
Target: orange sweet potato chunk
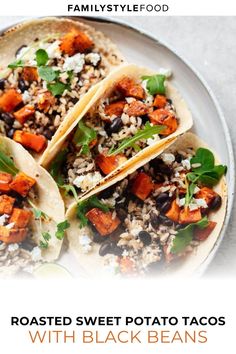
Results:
x,y
5,180
164,117
104,222
115,108
6,204
142,186
20,217
22,184
10,100
107,164
12,235
188,216
173,212
29,140
23,114
128,88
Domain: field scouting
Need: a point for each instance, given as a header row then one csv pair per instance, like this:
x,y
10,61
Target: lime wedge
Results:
x,y
51,271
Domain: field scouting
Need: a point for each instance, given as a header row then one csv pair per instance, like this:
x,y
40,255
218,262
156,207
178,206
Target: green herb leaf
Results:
x,y
45,242
61,228
41,57
56,166
57,88
16,64
38,214
47,73
185,236
7,165
147,132
86,205
155,84
83,137
205,159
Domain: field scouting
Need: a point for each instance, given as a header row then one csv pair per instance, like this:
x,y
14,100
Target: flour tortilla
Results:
x,y
49,199
103,90
92,263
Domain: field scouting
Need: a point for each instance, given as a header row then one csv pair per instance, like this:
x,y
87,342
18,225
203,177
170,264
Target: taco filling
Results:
x,y
135,115
157,215
45,81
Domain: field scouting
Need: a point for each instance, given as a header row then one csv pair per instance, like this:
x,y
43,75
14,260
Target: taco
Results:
x,y
163,218
46,67
31,210
133,113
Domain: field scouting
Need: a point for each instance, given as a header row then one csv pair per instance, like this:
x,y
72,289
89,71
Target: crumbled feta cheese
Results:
x,y
201,203
130,99
186,164
125,253
88,181
85,240
3,219
26,96
193,206
165,71
153,140
10,226
93,58
181,202
36,254
74,63
13,247
168,158
196,190
53,50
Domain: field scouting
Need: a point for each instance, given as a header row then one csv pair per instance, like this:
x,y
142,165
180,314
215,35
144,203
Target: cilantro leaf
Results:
x,y
38,214
57,88
184,236
47,73
61,228
41,57
45,242
86,205
155,84
83,137
147,132
7,165
16,64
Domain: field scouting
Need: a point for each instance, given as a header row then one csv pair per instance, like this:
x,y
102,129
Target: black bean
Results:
x,y
160,167
96,236
154,220
160,178
169,100
145,119
165,221
27,246
145,237
22,85
2,84
7,118
216,202
19,49
114,249
165,206
162,198
48,134
114,127
105,248
10,133
107,193
178,157
121,213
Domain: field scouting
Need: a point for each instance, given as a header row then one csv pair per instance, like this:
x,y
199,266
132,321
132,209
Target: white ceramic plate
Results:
x,y
209,123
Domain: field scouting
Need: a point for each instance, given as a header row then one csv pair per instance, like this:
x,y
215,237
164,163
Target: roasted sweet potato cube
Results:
x,y
5,180
22,184
128,88
20,217
6,204
202,234
104,222
160,101
207,194
75,42
12,235
137,108
164,117
24,113
173,212
45,101
107,164
10,100
115,108
142,186
188,216
30,74
31,141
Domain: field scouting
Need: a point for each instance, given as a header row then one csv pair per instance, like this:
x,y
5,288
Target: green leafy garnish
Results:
x,y
147,132
57,88
155,84
7,165
41,57
38,214
47,73
45,242
61,228
204,171
83,137
86,205
185,236
16,64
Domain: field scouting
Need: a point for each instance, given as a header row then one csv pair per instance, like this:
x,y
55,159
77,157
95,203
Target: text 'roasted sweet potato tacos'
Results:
x,y
133,114
46,67
163,218
31,211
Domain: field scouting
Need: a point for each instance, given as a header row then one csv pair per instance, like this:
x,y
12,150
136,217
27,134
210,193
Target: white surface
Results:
x,y
207,43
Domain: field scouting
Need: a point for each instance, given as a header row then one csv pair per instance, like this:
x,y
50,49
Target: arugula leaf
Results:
x,y
47,73
83,137
41,57
7,165
185,236
155,84
86,205
147,132
16,64
45,242
61,228
57,88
